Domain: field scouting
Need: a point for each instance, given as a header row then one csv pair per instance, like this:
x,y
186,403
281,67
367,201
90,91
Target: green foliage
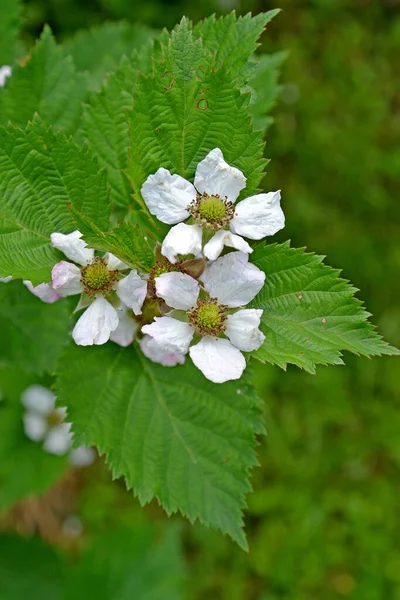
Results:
x,y
310,314
46,83
187,107
171,433
43,170
32,333
9,29
265,88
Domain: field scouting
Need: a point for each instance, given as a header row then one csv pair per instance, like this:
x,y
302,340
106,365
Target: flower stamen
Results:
x,y
97,278
208,318
212,211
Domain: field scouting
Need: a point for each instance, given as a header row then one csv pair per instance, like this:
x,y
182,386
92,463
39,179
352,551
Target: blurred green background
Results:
x,y
323,520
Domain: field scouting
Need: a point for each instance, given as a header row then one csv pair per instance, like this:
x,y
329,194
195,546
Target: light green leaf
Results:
x,y
310,314
9,29
171,433
40,172
32,333
265,88
46,83
186,108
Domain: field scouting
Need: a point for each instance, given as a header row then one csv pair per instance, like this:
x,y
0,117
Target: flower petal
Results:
x,y
179,290
215,176
5,73
35,426
155,352
38,399
132,290
125,332
182,239
170,334
259,216
96,323
168,196
59,439
82,457
6,279
217,359
44,291
114,263
66,279
233,280
73,247
222,238
242,328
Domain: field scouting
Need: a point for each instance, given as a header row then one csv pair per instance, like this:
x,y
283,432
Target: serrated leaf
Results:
x,y
46,83
9,29
32,333
186,108
310,314
171,433
40,172
265,88
126,241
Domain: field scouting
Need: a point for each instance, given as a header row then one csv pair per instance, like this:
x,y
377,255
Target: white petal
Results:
x,y
170,334
82,457
242,328
217,359
44,291
66,279
156,353
182,239
233,280
168,196
38,399
222,238
114,263
132,290
58,440
125,332
5,73
259,216
179,290
35,426
5,279
96,323
73,247
215,176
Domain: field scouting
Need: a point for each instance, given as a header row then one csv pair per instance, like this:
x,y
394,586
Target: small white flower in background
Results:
x,y
211,204
5,73
43,422
107,287
6,279
210,312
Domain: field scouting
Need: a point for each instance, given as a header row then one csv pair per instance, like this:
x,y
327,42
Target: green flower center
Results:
x,y
97,277
208,318
212,209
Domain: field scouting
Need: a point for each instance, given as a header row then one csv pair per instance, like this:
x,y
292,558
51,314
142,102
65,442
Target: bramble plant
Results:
x,y
135,186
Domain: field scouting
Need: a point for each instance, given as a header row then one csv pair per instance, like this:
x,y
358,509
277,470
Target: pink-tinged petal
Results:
x,y
39,399
94,327
132,290
215,176
233,280
170,334
168,196
259,216
58,440
222,238
44,291
179,290
157,354
125,332
217,359
183,240
242,328
73,247
66,279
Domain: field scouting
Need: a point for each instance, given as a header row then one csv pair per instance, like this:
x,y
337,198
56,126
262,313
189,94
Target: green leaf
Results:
x,y
127,241
310,314
184,109
40,172
171,433
265,88
233,40
99,49
9,29
32,333
48,84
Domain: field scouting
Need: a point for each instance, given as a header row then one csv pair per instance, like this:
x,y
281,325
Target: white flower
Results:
x,y
43,422
127,328
5,73
6,279
158,354
44,291
98,279
210,312
211,203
